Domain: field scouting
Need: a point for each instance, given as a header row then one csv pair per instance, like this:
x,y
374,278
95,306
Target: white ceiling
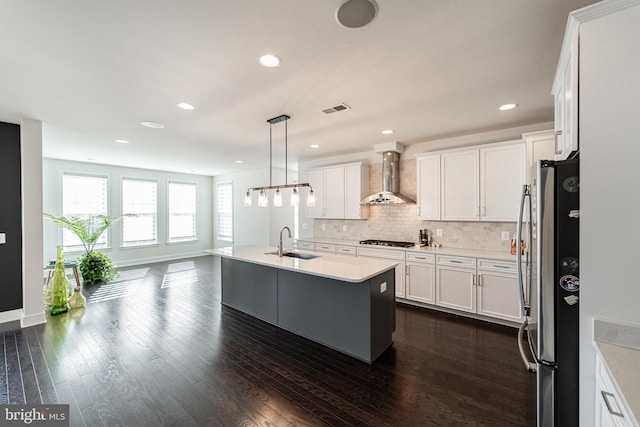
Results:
x,y
93,70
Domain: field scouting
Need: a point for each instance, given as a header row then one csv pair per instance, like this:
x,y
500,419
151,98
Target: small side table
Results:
x,y
73,265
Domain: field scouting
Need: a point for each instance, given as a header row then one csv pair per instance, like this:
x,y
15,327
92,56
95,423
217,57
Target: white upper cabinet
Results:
x,y
472,184
565,92
428,175
460,184
539,146
338,190
502,174
334,192
356,188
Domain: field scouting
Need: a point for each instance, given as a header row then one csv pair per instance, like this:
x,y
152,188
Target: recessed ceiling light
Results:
x,y
185,106
269,60
387,131
121,141
153,125
507,107
314,146
239,161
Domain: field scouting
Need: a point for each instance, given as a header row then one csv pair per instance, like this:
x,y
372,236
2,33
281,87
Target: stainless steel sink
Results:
x,y
294,255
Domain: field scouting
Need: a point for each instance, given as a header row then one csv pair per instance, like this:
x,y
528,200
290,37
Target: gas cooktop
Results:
x,y
387,243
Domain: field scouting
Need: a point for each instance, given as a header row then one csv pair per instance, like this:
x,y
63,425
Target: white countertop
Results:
x,y
348,269
502,256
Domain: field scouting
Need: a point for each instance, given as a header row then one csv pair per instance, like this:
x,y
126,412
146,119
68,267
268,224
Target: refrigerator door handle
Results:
x,y
524,303
529,365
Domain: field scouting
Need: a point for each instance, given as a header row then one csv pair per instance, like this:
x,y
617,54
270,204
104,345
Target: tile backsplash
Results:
x,y
398,222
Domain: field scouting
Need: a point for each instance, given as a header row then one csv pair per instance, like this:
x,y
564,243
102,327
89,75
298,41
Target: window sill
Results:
x,y
181,242
140,246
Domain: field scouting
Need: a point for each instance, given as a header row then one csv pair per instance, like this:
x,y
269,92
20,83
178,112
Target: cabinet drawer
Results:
x,y
325,247
494,265
346,250
456,261
381,253
420,258
300,244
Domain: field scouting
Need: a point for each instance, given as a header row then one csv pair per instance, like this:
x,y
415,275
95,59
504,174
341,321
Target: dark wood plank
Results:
x,y
173,355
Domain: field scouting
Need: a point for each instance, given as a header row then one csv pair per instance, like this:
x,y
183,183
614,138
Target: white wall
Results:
x,y
52,198
32,180
255,225
609,133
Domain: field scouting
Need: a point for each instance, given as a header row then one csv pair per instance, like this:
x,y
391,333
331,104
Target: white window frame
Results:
x,y
138,243
102,245
221,215
194,237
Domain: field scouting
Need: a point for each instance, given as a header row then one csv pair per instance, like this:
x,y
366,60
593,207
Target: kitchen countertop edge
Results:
x,y
474,253
336,267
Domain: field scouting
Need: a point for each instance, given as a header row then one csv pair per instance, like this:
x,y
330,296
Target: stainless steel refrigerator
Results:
x,y
550,288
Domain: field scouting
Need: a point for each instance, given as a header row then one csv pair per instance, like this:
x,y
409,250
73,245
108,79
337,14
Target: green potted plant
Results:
x,y
93,265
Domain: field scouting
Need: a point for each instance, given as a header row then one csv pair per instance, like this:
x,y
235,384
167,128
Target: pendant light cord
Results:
x,y
271,155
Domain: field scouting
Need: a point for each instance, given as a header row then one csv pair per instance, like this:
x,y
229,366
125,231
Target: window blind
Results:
x,y
182,211
82,196
225,211
139,197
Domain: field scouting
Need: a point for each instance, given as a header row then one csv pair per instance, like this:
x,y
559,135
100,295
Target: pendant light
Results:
x,y
263,198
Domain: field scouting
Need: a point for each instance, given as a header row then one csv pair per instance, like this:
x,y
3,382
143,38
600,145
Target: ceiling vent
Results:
x,y
339,107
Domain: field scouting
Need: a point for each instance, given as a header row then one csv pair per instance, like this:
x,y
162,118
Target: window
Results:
x,y
139,197
225,211
83,195
182,211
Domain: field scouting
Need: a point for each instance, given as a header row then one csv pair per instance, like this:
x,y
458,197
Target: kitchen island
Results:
x,y
344,303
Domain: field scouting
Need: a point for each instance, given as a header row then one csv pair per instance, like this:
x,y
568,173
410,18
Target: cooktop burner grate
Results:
x,y
387,243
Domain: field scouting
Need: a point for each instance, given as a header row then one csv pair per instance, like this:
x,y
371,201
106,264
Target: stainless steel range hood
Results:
x,y
390,193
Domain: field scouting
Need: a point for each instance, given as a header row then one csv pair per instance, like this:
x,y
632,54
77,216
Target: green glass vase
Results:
x,y
59,285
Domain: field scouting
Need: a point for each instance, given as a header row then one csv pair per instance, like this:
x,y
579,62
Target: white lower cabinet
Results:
x,y
481,286
325,247
497,290
610,410
421,277
346,250
455,285
304,245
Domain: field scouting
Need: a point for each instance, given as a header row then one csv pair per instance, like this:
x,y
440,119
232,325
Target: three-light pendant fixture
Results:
x,y
263,198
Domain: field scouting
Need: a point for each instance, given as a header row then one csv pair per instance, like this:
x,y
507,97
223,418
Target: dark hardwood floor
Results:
x,y
155,347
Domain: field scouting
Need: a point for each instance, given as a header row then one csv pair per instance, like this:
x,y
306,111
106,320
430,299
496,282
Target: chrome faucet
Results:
x,y
280,249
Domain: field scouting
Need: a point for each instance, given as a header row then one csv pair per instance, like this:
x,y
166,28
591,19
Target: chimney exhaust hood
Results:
x,y
390,193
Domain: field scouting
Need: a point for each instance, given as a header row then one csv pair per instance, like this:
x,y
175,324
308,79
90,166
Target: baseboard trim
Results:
x,y
162,258
10,316
32,320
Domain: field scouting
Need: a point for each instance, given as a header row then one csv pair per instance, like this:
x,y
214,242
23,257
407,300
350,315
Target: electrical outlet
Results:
x,y
438,232
3,238
344,227
383,287
324,227
305,226
505,235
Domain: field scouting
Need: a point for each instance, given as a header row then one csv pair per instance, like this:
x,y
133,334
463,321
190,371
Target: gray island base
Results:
x,y
356,318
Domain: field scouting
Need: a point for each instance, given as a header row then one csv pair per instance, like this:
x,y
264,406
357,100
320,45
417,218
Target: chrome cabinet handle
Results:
x,y
606,396
474,280
479,279
501,266
455,261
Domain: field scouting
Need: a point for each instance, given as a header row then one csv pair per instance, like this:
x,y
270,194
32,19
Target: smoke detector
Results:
x,y
356,13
